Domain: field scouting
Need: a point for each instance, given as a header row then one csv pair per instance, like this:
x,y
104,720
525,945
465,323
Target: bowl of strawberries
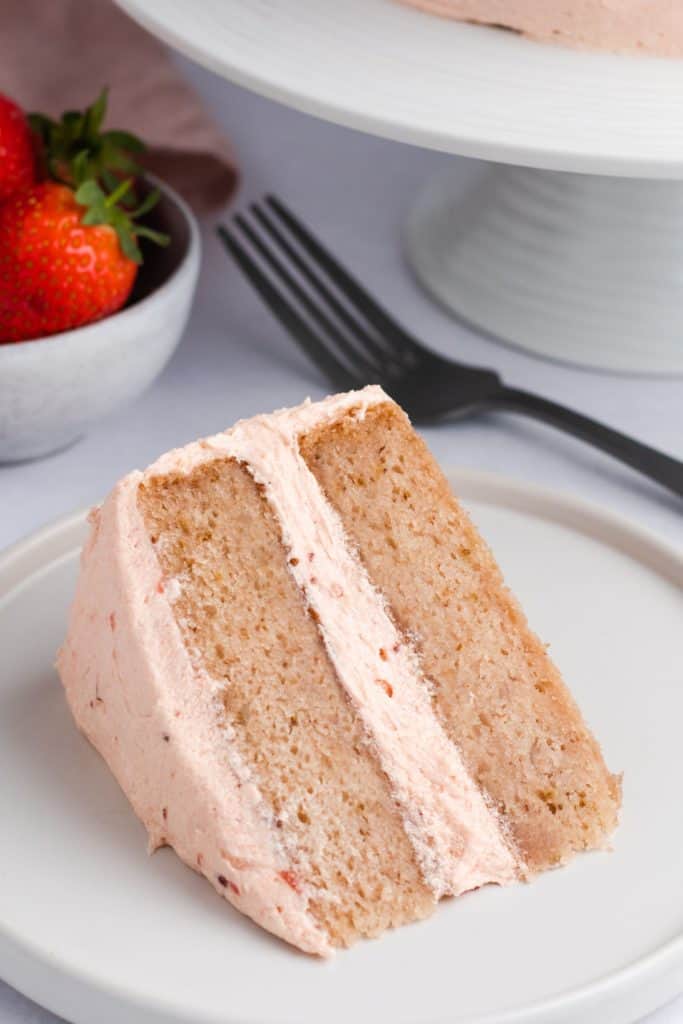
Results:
x,y
98,268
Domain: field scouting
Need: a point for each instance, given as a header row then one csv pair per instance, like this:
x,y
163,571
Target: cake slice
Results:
x,y
301,663
622,26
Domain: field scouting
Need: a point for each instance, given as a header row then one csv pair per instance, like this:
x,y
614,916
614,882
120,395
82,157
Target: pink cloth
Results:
x,y
58,54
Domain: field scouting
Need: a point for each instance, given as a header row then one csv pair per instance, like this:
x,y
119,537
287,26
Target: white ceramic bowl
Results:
x,y
53,388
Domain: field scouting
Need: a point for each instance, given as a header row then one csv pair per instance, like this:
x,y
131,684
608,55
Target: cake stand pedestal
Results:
x,y
576,267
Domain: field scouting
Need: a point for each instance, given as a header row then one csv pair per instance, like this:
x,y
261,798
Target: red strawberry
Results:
x,y
17,163
62,261
68,246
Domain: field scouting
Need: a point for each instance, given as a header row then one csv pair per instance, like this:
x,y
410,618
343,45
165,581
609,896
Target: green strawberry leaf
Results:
x,y
94,115
90,195
129,246
124,140
147,204
79,167
154,236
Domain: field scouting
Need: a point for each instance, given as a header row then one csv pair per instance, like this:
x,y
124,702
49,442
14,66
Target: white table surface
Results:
x,y
235,361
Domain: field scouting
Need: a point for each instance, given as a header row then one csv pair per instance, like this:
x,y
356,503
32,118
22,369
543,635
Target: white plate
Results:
x,y
96,931
394,71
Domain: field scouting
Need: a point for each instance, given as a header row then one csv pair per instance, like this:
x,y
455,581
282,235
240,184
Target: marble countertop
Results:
x,y
235,361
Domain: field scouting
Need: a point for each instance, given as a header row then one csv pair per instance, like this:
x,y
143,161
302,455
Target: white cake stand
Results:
x,y
584,265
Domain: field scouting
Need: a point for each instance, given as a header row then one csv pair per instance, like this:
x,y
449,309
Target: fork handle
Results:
x,y
660,467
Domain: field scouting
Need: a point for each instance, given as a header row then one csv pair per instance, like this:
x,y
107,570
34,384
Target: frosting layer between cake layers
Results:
x,y
152,711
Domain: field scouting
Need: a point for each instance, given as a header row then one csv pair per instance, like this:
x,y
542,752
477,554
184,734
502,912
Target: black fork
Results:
x,y
355,341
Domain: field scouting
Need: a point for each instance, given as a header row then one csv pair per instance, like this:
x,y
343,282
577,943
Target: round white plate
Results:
x,y
96,931
394,71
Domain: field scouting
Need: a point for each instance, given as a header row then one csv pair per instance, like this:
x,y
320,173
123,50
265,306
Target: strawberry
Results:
x,y
68,245
66,258
17,163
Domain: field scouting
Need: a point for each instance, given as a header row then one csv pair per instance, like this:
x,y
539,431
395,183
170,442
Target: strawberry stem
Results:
x,y
101,208
118,193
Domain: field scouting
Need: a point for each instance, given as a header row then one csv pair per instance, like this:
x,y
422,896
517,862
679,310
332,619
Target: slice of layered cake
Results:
x,y
301,663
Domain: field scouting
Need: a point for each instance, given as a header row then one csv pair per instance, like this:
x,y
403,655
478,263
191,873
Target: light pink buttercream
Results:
x,y
212,804
137,697
628,26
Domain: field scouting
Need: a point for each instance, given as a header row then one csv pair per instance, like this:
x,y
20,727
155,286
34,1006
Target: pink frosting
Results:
x,y
651,26
153,715
137,697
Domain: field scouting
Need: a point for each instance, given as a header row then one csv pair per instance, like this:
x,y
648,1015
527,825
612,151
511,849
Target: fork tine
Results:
x,y
354,291
363,370
297,328
378,352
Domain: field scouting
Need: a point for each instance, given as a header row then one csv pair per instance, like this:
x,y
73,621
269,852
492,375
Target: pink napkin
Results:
x,y
58,54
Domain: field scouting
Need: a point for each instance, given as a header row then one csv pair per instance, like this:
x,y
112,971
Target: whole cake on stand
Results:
x,y
583,264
